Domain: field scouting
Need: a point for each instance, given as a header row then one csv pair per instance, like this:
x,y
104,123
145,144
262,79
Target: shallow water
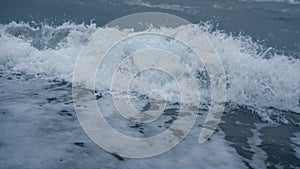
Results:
x,y
39,128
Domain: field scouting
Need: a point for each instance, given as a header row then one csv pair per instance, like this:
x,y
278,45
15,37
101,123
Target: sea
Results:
x,y
258,42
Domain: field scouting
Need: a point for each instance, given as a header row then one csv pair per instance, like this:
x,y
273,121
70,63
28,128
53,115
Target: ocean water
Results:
x,y
257,41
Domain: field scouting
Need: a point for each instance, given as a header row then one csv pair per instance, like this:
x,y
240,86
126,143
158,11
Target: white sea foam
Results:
x,y
253,79
277,1
192,9
164,6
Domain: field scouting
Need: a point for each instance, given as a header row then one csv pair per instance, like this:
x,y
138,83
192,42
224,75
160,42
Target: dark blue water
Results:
x,y
275,24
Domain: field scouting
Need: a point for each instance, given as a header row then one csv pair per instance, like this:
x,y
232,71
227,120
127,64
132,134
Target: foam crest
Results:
x,y
255,76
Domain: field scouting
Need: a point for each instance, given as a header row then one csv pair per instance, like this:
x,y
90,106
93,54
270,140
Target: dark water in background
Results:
x,y
275,24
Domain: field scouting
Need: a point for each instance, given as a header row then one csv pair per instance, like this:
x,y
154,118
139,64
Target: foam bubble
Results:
x,y
252,78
